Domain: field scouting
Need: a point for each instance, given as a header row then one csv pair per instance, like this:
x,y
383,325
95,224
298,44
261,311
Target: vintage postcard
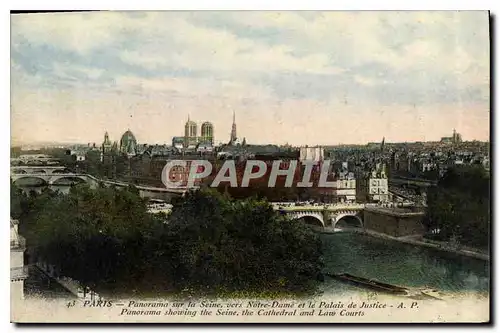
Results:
x,y
250,167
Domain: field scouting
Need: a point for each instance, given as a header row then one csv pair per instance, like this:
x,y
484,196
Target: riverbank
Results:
x,y
41,284
417,240
71,286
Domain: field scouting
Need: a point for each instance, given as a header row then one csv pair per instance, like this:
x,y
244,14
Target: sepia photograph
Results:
x,y
250,167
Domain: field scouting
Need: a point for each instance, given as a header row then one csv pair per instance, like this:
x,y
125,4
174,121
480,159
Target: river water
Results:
x,y
400,264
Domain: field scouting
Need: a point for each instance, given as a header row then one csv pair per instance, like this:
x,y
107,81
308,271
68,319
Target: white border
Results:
x,y
257,5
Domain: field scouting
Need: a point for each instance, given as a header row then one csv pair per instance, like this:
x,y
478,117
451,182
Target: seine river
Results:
x,y
400,264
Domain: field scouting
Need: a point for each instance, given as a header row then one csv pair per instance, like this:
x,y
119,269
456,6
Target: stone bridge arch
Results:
x,y
44,179
66,179
39,172
30,169
36,180
60,172
349,219
309,217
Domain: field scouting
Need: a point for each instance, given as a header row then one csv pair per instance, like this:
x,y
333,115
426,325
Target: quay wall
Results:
x,y
393,223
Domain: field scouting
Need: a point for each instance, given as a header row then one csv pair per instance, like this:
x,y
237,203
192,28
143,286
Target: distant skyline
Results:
x,y
315,78
40,144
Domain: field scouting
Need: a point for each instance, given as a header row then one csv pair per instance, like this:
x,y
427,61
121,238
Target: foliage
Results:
x,y
17,200
92,164
240,245
106,239
459,206
94,236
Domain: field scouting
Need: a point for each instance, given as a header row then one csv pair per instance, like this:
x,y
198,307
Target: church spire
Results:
x,y
233,129
106,138
106,145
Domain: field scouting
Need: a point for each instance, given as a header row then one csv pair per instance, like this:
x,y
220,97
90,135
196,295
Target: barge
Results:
x,y
415,293
369,283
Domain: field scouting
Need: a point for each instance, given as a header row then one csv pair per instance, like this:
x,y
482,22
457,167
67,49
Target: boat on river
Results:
x,y
369,283
414,293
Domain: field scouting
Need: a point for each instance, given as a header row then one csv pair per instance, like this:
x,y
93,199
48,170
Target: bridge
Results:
x,y
40,176
44,175
39,161
327,215
45,170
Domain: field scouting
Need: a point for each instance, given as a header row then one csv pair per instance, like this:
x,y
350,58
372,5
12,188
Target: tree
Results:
x,y
459,206
106,239
17,199
92,235
92,163
241,245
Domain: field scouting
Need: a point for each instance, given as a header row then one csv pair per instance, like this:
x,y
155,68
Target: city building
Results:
x,y
428,166
191,140
160,150
18,272
128,144
107,148
316,154
178,142
345,188
374,186
207,133
454,139
106,145
204,148
358,171
79,154
190,134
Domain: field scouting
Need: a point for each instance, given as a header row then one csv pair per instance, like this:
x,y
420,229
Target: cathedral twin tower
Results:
x,y
191,137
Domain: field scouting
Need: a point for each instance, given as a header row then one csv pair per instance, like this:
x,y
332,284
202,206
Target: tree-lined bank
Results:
x,y
106,239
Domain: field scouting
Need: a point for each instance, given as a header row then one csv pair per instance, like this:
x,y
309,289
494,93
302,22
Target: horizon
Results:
x,y
217,142
405,76
60,143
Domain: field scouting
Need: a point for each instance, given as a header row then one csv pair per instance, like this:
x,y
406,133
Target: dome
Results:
x,y
128,142
127,137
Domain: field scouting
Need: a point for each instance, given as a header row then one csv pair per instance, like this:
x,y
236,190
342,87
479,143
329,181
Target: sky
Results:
x,y
297,77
